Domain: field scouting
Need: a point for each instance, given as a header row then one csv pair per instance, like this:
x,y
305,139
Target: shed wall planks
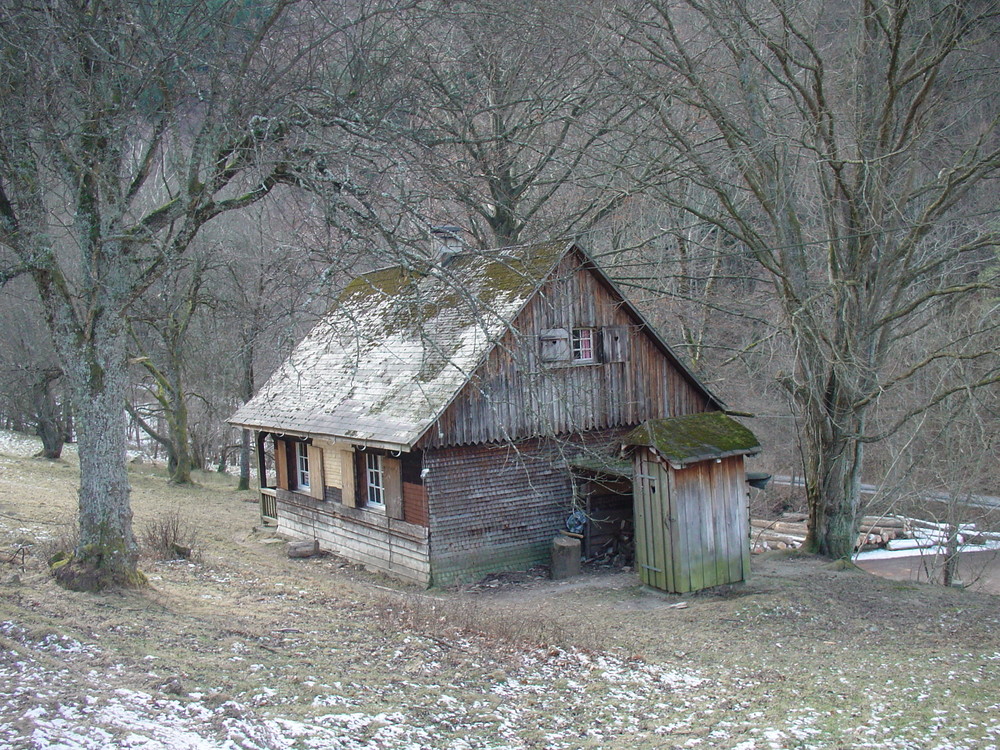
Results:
x,y
691,524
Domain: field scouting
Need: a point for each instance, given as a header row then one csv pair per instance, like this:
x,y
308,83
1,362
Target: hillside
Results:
x,y
243,648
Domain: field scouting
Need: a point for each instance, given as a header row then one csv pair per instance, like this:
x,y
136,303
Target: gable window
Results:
x,y
301,466
583,345
375,480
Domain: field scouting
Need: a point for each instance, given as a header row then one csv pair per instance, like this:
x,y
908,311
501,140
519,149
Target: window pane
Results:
x,y
374,479
583,344
302,465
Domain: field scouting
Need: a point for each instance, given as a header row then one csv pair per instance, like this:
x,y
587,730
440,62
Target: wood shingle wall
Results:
x,y
498,507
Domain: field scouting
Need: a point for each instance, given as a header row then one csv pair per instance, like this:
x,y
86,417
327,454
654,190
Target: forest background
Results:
x,y
802,197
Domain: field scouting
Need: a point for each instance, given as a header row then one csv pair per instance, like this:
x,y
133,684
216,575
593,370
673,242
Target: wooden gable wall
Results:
x,y
515,395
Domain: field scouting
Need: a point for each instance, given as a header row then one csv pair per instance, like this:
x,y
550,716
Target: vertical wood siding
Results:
x,y
692,525
514,395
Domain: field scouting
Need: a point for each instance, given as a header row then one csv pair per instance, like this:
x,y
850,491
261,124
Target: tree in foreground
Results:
x,y
850,150
126,127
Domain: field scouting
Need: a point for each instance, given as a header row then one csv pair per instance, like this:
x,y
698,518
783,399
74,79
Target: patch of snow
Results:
x,y
883,554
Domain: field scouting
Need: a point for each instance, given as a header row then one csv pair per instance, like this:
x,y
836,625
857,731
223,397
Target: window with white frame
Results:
x,y
375,480
301,466
583,345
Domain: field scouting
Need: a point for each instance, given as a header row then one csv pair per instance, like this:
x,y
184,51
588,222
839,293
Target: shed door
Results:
x,y
654,551
690,524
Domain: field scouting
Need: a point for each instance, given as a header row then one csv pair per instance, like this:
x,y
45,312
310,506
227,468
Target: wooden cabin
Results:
x,y
434,424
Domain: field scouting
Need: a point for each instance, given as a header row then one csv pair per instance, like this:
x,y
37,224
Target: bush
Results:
x,y
170,537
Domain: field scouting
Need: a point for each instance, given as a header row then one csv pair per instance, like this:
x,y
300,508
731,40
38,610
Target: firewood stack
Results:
x,y
889,532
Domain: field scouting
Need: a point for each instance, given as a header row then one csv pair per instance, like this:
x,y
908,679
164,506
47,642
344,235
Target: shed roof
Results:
x,y
401,342
694,437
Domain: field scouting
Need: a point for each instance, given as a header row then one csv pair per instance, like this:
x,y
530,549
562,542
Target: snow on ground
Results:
x,y
18,444
52,696
886,554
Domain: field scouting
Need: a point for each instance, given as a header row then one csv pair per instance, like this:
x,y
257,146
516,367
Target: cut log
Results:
x,y
565,558
303,548
793,517
798,529
775,536
869,540
896,544
886,532
890,522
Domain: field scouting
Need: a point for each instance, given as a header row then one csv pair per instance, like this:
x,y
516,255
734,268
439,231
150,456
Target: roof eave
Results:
x,y
683,463
331,436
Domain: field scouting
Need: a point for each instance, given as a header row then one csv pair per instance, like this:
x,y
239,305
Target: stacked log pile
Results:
x,y
888,532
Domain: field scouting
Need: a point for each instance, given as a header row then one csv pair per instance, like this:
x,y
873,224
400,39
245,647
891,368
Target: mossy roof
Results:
x,y
398,345
694,437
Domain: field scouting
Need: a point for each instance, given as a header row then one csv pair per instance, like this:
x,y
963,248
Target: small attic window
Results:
x,y
583,345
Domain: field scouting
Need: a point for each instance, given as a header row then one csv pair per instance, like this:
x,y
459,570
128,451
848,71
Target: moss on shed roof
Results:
x,y
694,437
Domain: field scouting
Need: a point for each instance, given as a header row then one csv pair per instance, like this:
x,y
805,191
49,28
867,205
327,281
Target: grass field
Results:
x,y
244,648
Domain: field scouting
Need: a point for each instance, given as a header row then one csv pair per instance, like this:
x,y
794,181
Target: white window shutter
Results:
x,y
554,345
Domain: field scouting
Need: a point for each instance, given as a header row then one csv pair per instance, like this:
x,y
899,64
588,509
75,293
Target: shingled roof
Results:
x,y
398,346
694,437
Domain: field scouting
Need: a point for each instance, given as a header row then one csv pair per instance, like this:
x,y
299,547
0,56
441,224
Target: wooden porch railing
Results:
x,y
268,506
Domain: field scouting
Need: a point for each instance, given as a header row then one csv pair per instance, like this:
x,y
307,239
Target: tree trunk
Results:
x,y
834,460
246,441
245,446
47,416
182,461
106,555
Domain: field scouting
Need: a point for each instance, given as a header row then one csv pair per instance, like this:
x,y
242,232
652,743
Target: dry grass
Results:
x,y
802,656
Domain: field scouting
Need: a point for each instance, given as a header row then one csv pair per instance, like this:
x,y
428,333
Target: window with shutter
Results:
x,y
374,481
301,466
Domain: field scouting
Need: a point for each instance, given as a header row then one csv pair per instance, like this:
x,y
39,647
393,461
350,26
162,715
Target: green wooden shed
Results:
x,y
691,501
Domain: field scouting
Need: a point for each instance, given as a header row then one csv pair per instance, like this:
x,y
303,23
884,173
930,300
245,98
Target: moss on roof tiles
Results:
x,y
386,281
694,437
471,285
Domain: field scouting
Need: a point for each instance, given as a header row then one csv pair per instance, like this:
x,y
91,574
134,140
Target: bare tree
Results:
x,y
31,393
126,127
506,127
844,148
159,335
